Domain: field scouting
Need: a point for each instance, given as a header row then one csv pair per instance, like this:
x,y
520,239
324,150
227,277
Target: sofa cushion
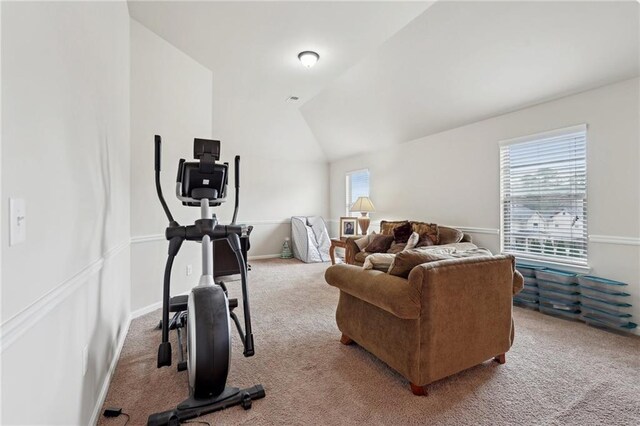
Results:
x,y
449,235
361,256
386,227
378,261
379,244
396,248
393,294
363,242
402,233
405,261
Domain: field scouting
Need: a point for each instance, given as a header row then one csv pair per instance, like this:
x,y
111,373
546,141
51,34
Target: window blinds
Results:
x,y
543,192
357,186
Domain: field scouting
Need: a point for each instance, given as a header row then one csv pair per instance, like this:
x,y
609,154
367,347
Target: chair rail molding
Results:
x,y
612,239
138,239
13,328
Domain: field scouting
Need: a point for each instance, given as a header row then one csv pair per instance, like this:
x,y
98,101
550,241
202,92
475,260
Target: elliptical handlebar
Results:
x,y
237,184
158,150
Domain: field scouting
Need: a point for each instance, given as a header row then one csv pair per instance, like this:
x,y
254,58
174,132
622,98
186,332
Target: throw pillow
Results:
x,y
379,244
412,241
402,233
426,230
405,261
449,235
386,228
363,242
378,261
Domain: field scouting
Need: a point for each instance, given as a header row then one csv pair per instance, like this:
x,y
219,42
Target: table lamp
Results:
x,y
364,206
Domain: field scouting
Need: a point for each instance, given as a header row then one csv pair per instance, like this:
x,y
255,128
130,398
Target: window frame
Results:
x,y
347,185
542,258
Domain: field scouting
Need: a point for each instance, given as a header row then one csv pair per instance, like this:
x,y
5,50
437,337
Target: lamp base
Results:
x,y
363,221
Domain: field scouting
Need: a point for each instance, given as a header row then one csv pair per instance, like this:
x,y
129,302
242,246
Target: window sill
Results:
x,y
570,267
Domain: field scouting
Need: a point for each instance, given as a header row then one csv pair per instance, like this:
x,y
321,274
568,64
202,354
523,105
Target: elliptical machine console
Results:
x,y
203,183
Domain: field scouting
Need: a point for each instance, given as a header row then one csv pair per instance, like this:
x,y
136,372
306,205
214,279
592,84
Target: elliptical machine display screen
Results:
x,y
197,184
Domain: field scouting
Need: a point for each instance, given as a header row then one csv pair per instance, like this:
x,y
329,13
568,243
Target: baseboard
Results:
x,y
145,310
107,380
264,256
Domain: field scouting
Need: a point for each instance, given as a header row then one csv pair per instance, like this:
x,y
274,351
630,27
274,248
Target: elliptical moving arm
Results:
x,y
158,149
237,183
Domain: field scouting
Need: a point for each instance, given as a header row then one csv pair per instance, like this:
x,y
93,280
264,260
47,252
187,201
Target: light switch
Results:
x,y
18,217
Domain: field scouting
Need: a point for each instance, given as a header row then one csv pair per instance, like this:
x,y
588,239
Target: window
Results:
x,y
543,195
357,186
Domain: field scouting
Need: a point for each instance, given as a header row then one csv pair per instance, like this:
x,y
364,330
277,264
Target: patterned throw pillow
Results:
x,y
379,244
386,227
402,233
429,233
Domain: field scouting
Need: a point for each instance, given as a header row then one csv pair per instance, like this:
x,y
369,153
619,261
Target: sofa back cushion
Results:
x,y
449,235
387,227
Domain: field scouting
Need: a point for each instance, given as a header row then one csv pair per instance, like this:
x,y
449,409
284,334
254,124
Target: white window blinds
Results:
x,y
357,186
543,192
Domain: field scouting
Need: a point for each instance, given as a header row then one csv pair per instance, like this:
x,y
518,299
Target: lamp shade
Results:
x,y
363,204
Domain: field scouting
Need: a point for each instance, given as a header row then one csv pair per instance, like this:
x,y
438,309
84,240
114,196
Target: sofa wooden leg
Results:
x,y
346,340
418,390
500,359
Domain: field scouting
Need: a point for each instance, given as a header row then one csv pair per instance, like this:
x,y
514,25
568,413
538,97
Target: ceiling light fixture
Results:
x,y
308,58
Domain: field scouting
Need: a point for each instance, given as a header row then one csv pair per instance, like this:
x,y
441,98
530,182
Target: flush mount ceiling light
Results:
x,y
308,58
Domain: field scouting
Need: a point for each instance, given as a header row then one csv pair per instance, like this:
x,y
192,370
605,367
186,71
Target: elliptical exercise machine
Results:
x,y
203,183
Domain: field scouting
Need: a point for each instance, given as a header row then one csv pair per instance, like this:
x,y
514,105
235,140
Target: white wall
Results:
x,y
284,172
65,116
283,169
453,177
171,97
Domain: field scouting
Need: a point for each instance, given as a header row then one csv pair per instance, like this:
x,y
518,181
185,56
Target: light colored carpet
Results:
x,y
558,372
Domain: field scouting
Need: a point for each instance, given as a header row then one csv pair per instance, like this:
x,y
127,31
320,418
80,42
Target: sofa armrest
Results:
x,y
466,238
350,250
388,292
466,308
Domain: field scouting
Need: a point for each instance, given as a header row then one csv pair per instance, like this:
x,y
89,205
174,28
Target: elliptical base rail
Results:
x,y
192,408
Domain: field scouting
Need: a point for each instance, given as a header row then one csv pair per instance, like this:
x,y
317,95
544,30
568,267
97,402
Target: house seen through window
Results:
x,y
357,186
543,192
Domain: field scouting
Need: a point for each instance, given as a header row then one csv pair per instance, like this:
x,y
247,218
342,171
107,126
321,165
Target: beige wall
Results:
x,y
453,177
65,133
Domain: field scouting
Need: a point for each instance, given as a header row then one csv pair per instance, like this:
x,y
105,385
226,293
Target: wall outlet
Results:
x,y
18,221
85,360
189,270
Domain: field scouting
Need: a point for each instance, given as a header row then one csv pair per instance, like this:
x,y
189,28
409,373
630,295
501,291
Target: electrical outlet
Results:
x,y
85,360
189,270
18,219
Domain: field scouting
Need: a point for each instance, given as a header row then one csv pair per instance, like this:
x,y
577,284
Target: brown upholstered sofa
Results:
x,y
448,316
447,237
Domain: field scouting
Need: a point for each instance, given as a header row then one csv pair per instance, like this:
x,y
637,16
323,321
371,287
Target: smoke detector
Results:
x,y
292,99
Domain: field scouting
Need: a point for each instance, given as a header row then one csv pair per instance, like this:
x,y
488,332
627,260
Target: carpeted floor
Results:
x,y
557,373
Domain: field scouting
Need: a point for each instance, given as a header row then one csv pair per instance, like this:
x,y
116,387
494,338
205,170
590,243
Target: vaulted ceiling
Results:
x,y
391,72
